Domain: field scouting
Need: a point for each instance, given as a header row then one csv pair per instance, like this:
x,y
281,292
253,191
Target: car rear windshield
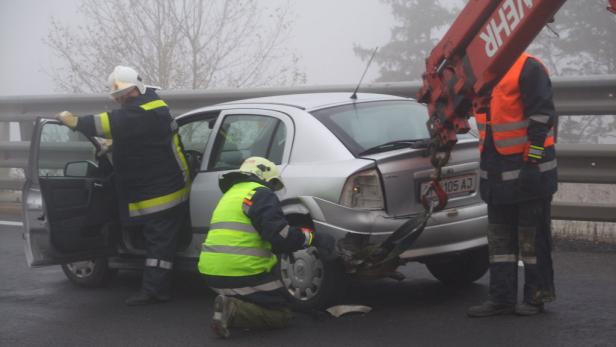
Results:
x,y
363,126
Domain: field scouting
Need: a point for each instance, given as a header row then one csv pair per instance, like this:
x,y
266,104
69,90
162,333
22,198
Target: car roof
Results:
x,y
313,101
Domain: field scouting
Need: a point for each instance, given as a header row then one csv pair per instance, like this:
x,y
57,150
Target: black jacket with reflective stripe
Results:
x,y
146,159
536,90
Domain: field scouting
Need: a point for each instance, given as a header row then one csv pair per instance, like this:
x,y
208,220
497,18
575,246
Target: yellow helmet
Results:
x,y
264,170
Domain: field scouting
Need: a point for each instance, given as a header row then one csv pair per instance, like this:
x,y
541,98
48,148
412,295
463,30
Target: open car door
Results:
x,y
70,205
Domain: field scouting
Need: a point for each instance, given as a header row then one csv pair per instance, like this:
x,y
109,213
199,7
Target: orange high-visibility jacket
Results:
x,y
509,126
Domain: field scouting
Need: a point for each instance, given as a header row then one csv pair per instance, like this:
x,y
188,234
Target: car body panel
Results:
x,y
402,186
205,192
62,222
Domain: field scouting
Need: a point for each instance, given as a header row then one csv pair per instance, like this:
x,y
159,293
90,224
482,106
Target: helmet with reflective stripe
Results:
x,y
264,170
123,79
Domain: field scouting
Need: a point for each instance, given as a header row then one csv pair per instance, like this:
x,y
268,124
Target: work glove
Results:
x,y
533,154
309,235
529,181
68,119
324,243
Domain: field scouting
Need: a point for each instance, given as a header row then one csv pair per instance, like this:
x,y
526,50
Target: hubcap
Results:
x,y
81,269
302,274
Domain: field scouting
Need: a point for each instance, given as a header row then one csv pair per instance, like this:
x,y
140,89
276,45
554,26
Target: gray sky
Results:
x,y
323,37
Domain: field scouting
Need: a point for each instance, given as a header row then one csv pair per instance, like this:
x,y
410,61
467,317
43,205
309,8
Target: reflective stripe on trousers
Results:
x,y
163,264
514,174
265,287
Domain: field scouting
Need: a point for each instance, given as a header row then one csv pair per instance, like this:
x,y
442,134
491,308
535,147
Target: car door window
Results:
x,y
244,136
59,146
195,134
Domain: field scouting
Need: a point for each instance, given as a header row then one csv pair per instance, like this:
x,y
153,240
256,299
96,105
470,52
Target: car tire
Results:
x,y
461,269
310,282
89,273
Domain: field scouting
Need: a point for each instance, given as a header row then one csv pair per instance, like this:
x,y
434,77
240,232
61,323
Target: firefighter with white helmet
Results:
x,y
247,231
151,173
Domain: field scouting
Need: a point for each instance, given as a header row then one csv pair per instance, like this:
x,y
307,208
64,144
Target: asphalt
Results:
x,y
39,307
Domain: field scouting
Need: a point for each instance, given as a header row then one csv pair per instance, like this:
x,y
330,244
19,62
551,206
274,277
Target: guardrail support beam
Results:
x,y
584,212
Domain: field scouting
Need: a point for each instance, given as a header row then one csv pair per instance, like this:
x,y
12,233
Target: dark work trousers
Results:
x,y
521,231
161,234
264,289
261,304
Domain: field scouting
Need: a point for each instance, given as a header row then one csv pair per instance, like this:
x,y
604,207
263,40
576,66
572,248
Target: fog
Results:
x,y
323,36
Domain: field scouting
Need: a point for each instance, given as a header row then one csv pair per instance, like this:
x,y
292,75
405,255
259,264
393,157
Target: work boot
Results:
x,y
142,298
489,308
526,309
224,310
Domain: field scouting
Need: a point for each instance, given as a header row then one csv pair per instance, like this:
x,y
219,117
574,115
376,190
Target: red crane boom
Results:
x,y
478,49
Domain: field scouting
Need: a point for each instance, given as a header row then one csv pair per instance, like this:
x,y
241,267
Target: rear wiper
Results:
x,y
388,146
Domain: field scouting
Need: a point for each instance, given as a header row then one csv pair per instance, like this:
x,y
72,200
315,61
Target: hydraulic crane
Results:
x,y
483,42
478,49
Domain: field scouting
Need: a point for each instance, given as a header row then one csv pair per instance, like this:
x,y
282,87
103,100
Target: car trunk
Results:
x,y
404,171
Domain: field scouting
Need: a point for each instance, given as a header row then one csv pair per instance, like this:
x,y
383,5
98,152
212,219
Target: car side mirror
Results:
x,y
84,168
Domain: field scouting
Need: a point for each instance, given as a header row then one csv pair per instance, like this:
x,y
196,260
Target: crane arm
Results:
x,y
478,49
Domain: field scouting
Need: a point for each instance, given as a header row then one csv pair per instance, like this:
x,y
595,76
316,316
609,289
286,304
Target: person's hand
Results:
x,y
529,181
309,235
325,244
105,146
68,119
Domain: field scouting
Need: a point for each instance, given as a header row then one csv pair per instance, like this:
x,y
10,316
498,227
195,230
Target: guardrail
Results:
x,y
588,95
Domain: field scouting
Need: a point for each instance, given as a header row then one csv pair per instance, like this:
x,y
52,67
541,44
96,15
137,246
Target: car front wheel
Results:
x,y
461,269
89,273
310,281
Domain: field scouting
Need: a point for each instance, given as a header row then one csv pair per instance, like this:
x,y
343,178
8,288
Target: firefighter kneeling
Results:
x,y
247,230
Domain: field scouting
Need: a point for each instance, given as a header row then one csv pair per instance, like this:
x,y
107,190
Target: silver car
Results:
x,y
353,168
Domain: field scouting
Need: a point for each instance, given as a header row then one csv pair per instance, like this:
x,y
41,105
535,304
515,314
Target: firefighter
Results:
x,y
151,173
518,179
238,258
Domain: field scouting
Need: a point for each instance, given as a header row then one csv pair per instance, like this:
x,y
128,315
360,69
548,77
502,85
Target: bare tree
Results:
x,y
176,44
418,27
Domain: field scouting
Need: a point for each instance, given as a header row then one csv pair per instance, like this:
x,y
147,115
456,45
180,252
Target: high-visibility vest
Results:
x,y
233,247
509,126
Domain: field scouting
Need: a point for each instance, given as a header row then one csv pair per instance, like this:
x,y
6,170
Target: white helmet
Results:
x,y
263,169
122,79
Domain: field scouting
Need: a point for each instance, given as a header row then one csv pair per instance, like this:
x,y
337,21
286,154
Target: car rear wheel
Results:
x,y
464,268
89,273
310,281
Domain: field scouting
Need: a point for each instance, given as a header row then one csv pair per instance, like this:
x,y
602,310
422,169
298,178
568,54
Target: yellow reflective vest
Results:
x,y
233,247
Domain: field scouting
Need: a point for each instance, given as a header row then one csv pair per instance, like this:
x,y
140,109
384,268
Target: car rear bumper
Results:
x,y
450,230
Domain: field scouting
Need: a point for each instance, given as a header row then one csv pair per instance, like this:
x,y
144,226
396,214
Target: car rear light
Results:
x,y
363,190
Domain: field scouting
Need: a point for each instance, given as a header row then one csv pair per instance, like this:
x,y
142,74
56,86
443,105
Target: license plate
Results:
x,y
454,186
